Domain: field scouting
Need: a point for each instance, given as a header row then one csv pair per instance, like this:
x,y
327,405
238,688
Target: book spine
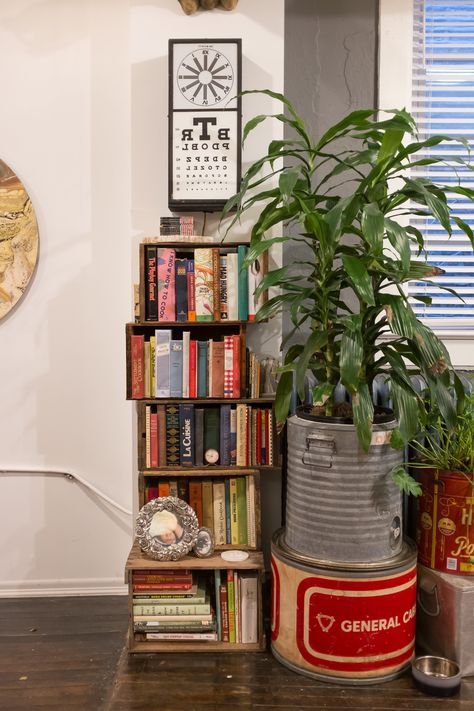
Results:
x,y
232,286
176,368
172,435
202,371
228,533
158,610
153,440
192,368
181,287
211,435
243,294
228,366
204,287
207,505
161,586
234,532
199,436
151,284
224,435
249,607
137,348
186,439
242,511
169,618
152,366
178,625
191,291
163,488
195,498
223,287
218,490
147,436
185,379
270,437
216,363
183,488
238,631
216,283
231,605
251,512
233,436
166,284
146,375
165,578
217,585
162,362
182,636
241,459
161,418
174,488
223,601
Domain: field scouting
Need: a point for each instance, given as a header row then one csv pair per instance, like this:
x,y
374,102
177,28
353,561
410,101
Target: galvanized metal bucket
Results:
x,y
342,503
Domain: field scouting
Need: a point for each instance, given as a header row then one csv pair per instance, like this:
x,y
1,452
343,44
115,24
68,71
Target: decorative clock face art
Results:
x,y
204,123
19,240
205,77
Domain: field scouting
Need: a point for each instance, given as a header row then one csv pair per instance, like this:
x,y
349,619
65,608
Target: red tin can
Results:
x,y
353,625
445,521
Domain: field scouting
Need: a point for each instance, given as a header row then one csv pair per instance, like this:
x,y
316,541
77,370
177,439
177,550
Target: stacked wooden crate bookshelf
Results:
x,y
153,475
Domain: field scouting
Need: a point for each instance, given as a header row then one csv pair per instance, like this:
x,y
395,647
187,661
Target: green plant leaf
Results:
x,y
390,144
363,411
400,242
283,398
351,354
286,184
355,119
405,405
315,342
360,278
321,393
405,481
400,316
373,224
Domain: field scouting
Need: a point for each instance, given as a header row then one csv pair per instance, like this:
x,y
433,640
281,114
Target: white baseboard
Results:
x,y
62,588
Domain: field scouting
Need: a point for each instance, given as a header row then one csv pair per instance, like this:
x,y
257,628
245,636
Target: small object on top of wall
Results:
x,y
192,6
166,528
18,239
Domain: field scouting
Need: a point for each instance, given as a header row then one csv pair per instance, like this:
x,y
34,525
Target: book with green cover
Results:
x,y
243,295
242,511
211,435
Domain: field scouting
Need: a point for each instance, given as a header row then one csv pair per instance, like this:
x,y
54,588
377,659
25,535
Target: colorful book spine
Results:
x,y
231,605
232,286
163,488
161,419
228,507
176,368
233,436
223,287
186,440
242,538
224,435
234,533
137,352
162,362
243,294
241,458
147,436
217,585
191,290
185,378
251,511
183,636
152,366
151,284
216,283
228,366
207,504
166,284
216,364
192,368
147,378
195,498
223,602
236,361
218,491
181,289
159,610
172,435
153,440
204,284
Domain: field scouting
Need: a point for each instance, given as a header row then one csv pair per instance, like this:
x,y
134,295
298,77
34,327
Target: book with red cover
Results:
x,y
195,498
224,612
153,440
236,365
166,284
161,420
192,368
162,578
163,488
137,352
162,586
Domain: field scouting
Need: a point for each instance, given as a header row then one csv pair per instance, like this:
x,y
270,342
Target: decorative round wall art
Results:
x,y
19,240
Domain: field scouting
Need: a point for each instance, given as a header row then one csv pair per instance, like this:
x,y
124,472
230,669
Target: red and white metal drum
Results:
x,y
343,625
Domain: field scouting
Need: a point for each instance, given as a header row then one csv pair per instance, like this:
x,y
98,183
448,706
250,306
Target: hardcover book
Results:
x,y
223,287
204,284
191,291
243,293
151,283
224,435
211,435
195,498
202,369
241,511
248,607
172,435
161,418
207,504
216,362
176,368
218,490
186,441
162,362
216,283
232,286
185,378
166,284
153,440
181,289
137,348
192,368
199,436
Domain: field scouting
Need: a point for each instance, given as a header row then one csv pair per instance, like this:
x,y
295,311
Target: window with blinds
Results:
x,y
443,103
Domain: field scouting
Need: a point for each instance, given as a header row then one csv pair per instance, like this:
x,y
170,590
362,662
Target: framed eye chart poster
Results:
x,y
204,123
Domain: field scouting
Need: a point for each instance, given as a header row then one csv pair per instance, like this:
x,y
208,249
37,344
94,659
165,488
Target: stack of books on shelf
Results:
x,y
210,285
177,226
163,366
227,506
225,435
170,604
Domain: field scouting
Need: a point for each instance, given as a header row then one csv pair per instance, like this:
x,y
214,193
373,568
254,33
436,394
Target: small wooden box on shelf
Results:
x,y
238,409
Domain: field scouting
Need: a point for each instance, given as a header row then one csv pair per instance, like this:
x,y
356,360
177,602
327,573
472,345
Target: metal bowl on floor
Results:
x,y
436,675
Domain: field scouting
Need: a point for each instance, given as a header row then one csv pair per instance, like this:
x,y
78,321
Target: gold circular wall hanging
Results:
x,y
19,239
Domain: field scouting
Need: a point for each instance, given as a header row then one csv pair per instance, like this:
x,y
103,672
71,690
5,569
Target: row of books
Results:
x,y
209,285
227,506
186,435
225,611
162,366
177,225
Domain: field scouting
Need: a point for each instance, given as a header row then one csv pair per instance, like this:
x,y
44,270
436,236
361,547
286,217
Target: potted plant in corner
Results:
x,y
352,321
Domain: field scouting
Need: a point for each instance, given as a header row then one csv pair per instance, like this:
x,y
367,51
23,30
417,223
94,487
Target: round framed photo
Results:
x,y
166,528
204,546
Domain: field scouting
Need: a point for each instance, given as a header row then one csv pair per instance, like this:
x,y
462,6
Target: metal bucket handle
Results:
x,y
321,447
433,592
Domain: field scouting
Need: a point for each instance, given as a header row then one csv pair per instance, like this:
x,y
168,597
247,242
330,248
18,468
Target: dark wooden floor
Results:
x,y
68,653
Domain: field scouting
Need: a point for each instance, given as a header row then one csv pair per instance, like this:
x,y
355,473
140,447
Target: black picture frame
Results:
x,y
204,123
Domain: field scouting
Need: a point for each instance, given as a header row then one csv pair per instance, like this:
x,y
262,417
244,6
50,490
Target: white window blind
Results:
x,y
443,103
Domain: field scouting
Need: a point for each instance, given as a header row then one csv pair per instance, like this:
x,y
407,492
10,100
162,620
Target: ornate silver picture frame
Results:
x,y
166,528
204,543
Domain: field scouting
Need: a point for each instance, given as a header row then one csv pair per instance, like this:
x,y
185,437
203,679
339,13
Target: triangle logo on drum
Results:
x,y
325,621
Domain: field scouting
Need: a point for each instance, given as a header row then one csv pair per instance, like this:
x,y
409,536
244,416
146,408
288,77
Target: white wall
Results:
x,y
84,125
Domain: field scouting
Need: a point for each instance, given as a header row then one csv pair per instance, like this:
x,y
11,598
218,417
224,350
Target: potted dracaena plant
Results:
x,y
352,320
